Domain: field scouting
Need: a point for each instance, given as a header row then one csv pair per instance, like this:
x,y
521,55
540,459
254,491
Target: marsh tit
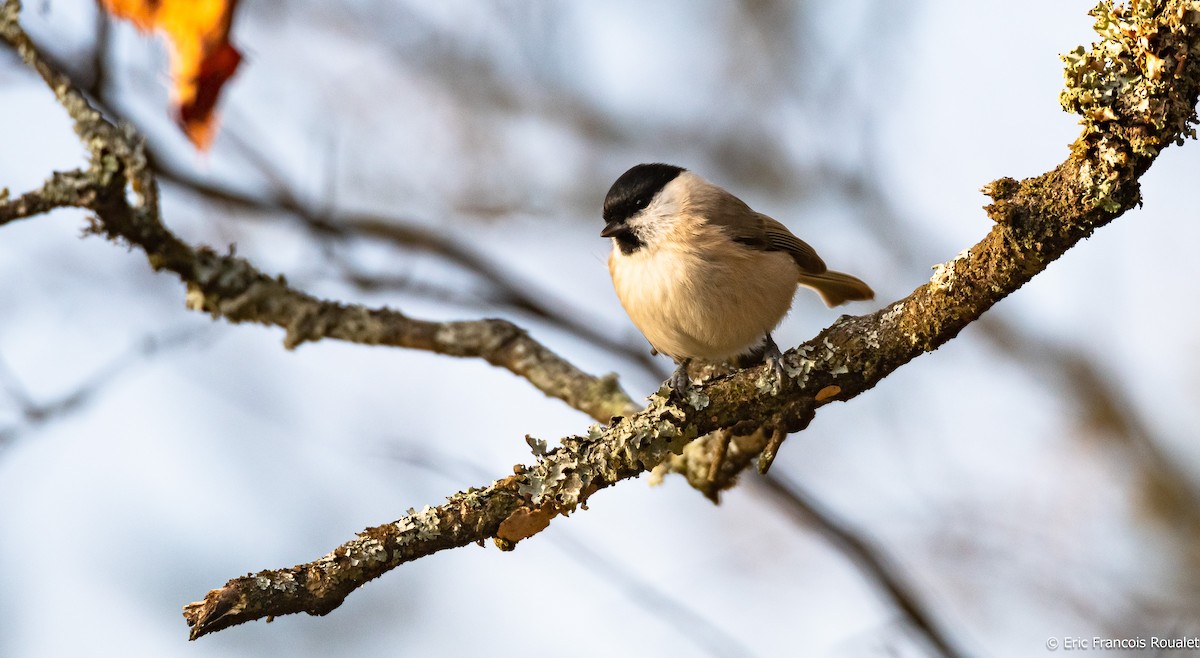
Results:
x,y
701,274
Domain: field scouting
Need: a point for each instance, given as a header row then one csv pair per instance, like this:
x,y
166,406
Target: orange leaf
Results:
x,y
201,57
828,392
525,522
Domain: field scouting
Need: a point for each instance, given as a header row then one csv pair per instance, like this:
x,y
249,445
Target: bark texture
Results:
x,y
1135,89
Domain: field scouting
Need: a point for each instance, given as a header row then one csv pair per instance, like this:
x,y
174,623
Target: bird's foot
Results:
x,y
680,382
773,357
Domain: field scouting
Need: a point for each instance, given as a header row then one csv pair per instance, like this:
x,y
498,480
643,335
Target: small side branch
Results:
x,y
874,564
70,189
229,287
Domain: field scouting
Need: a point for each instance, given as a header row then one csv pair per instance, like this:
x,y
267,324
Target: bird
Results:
x,y
702,275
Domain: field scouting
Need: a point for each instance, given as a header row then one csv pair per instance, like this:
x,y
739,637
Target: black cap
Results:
x,y
635,188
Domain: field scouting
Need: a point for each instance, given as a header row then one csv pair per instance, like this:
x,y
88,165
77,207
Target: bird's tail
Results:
x,y
836,288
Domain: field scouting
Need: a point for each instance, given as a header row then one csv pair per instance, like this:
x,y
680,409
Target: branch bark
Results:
x,y
229,287
1136,91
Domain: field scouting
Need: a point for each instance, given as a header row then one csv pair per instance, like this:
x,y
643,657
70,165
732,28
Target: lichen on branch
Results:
x,y
1131,90
1135,89
1037,220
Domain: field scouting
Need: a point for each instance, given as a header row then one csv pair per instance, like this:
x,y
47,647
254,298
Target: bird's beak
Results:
x,y
612,228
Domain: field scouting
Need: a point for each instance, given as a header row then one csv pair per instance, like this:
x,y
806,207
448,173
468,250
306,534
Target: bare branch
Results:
x,y
873,563
1169,492
230,287
63,190
1037,220
1136,92
1171,495
517,294
36,413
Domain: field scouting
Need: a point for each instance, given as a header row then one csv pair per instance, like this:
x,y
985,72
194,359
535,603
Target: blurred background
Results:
x,y
1035,478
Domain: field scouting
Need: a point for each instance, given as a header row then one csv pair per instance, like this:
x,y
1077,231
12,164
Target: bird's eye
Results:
x,y
641,202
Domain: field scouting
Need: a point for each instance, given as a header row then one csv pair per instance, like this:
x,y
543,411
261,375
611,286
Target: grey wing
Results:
x,y
762,232
777,237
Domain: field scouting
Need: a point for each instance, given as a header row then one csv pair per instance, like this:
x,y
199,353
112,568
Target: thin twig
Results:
x,y
872,562
35,414
767,457
62,190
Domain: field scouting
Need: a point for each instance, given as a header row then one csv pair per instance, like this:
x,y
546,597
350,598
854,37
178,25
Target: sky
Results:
x,y
201,451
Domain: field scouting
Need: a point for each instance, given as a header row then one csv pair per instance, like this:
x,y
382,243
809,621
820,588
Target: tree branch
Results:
x,y
345,227
1136,91
35,413
63,190
1128,119
874,563
655,599
230,287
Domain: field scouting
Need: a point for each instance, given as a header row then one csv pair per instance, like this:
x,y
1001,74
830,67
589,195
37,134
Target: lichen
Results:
x,y
944,274
796,362
418,526
767,383
369,550
696,398
568,475
1124,88
872,339
285,582
538,446
892,313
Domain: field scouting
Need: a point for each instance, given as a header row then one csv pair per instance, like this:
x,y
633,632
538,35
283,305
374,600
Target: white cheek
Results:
x,y
657,222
